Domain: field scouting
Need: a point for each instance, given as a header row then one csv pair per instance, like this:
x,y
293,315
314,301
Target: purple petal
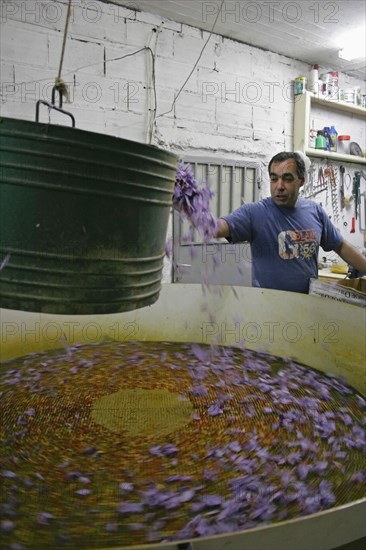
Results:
x,y
4,262
83,492
186,495
130,507
214,410
44,518
7,525
126,487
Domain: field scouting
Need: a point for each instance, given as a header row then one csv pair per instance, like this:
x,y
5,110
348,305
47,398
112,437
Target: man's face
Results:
x,y
285,183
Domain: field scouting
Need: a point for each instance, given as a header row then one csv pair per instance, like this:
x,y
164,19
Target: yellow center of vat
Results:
x,y
142,412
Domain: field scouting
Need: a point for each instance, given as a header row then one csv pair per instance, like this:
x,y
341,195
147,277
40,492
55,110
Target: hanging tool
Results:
x,y
362,201
312,190
341,189
353,225
329,172
356,191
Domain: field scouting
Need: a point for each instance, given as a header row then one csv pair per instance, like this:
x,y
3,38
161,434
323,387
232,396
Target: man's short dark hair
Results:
x,y
281,157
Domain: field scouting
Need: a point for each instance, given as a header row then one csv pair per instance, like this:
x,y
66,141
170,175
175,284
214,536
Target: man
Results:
x,y
285,230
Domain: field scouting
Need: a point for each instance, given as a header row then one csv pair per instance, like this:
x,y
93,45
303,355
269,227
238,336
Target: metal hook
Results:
x,y
53,106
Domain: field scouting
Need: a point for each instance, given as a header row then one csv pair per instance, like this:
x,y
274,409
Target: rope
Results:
x,y
60,85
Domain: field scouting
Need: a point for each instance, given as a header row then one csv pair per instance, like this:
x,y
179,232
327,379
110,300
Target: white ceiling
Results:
x,y
307,30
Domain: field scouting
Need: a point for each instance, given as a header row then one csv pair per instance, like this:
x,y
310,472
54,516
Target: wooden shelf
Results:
x,y
302,113
338,105
319,153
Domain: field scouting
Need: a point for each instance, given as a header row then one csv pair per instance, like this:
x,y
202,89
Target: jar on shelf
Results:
x,y
300,85
343,144
349,95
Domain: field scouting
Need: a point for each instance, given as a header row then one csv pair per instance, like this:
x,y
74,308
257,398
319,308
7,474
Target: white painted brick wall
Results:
x,y
23,44
237,102
235,99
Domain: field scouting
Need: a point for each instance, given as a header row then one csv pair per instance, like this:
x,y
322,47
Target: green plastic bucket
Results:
x,y
83,221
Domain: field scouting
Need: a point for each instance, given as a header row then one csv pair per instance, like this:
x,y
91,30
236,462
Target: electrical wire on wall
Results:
x,y
151,73
151,83
195,65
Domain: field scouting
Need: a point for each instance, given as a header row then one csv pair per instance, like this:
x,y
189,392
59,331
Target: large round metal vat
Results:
x,y
326,335
84,219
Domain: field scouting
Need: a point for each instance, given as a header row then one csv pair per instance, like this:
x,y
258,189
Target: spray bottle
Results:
x,y
326,133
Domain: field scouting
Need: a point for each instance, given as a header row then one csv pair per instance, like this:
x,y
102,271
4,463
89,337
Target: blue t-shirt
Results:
x,y
284,241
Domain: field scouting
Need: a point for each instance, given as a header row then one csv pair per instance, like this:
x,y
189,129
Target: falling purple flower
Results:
x,y
4,262
83,492
44,518
164,450
111,527
193,201
130,507
173,478
126,487
201,353
186,495
7,525
169,248
83,479
90,451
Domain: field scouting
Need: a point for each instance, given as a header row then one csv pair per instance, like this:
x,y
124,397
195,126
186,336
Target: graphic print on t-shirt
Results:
x,y
300,244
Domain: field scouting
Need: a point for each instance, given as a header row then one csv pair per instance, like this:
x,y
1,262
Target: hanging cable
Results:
x,y
151,85
195,65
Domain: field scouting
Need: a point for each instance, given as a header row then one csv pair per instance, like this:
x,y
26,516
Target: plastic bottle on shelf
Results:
x,y
313,80
343,144
333,87
333,139
326,134
320,142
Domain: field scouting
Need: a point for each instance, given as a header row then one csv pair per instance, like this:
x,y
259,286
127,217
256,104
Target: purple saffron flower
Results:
x,y
164,450
4,262
199,391
214,409
186,495
235,446
111,527
193,201
126,487
173,478
303,470
9,474
169,248
201,353
130,507
358,477
44,518
83,492
7,525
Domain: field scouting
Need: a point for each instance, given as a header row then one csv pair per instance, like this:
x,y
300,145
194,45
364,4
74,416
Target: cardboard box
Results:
x,y
352,291
357,284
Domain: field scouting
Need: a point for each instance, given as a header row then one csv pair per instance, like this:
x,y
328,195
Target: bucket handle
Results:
x,y
53,106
